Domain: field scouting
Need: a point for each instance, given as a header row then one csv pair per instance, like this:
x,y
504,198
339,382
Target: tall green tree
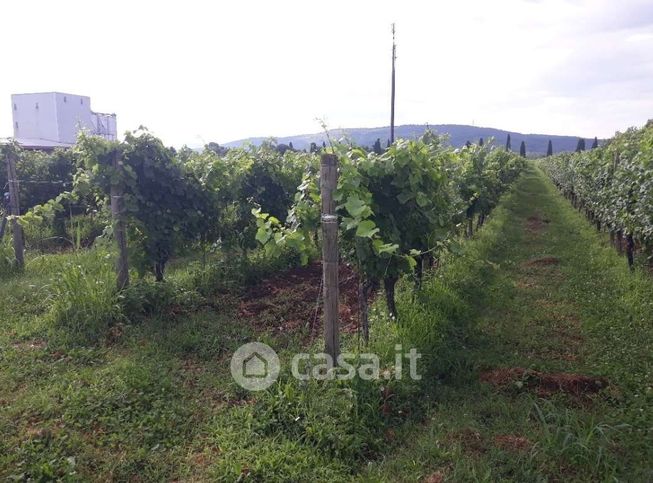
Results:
x,y
549,149
522,149
377,146
595,143
580,146
508,146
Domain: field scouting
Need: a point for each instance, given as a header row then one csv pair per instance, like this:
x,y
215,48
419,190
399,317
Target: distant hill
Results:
x,y
458,135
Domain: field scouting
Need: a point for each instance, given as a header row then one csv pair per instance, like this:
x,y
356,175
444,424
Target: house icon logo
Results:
x,y
255,366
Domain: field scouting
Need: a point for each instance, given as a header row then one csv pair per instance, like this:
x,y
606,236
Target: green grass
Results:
x,y
586,314
94,387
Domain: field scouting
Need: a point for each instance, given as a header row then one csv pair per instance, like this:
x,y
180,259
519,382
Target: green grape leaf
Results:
x,y
262,235
404,197
366,229
356,207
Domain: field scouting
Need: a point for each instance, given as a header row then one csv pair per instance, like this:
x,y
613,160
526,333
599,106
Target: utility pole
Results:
x,y
14,206
392,94
328,183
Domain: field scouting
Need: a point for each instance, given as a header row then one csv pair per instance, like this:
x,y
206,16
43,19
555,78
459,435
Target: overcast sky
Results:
x,y
199,71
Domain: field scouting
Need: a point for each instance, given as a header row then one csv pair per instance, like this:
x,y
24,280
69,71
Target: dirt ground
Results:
x,y
290,301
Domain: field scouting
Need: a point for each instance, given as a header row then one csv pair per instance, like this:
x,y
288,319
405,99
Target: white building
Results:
x,y
53,119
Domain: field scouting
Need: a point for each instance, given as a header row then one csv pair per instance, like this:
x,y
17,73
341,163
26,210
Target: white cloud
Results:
x,y
196,71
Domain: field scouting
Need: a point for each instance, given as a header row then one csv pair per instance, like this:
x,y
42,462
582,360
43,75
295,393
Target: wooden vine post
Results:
x,y
328,183
630,251
118,216
3,225
14,207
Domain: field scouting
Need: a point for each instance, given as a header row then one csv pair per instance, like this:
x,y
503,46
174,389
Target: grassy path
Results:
x,y
560,319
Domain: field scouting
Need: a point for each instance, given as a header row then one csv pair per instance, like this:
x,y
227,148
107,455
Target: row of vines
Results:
x,y
399,210
176,201
613,186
